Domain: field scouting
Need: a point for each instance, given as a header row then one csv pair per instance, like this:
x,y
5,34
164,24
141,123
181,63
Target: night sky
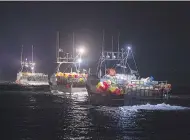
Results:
x,y
158,31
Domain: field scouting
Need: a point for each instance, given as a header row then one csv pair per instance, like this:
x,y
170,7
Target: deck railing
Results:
x,y
140,82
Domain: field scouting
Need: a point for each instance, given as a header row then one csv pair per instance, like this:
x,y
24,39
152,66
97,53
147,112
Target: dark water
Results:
x,y
45,116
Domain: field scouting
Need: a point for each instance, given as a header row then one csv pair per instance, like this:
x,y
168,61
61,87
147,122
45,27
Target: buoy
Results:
x,y
106,86
118,91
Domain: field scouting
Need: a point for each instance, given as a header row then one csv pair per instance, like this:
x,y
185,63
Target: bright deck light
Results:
x,y
79,60
129,48
81,50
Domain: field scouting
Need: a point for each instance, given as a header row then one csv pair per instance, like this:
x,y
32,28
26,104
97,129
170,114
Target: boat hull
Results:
x,y
65,89
124,99
20,87
131,96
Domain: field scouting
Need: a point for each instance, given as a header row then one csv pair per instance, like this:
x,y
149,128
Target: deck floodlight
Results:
x,y
81,50
79,60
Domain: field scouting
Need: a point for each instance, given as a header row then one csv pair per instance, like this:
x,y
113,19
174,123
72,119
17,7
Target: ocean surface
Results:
x,y
59,116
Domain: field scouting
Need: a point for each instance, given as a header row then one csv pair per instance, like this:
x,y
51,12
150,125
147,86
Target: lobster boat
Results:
x,y
116,83
28,79
111,92
68,82
32,81
71,78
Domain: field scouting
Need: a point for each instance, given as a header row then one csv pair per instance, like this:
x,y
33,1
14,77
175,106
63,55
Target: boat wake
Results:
x,y
162,106
136,108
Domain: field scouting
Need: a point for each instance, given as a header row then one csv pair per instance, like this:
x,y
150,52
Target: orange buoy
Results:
x,y
111,72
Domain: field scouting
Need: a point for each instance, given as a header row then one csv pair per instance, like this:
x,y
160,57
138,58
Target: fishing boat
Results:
x,y
27,78
72,78
118,82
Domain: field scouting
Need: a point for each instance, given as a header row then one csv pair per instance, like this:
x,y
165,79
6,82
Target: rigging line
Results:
x,y
122,61
72,64
135,63
100,58
118,62
115,65
129,67
67,67
99,65
127,62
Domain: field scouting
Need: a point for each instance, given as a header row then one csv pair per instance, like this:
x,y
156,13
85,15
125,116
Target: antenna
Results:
x,y
73,44
32,53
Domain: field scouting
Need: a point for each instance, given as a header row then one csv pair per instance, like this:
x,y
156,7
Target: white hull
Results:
x,y
32,79
32,83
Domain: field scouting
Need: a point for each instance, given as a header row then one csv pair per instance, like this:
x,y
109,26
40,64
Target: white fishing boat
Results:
x,y
72,78
28,78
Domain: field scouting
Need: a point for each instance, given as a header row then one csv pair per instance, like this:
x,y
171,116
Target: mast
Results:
x,y
99,72
103,39
112,43
57,46
73,44
21,55
118,42
32,53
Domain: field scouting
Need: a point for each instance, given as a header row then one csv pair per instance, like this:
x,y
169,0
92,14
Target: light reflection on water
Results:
x,y
119,122
70,116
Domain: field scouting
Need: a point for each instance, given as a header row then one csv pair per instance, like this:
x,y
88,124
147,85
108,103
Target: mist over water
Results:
x,y
56,115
